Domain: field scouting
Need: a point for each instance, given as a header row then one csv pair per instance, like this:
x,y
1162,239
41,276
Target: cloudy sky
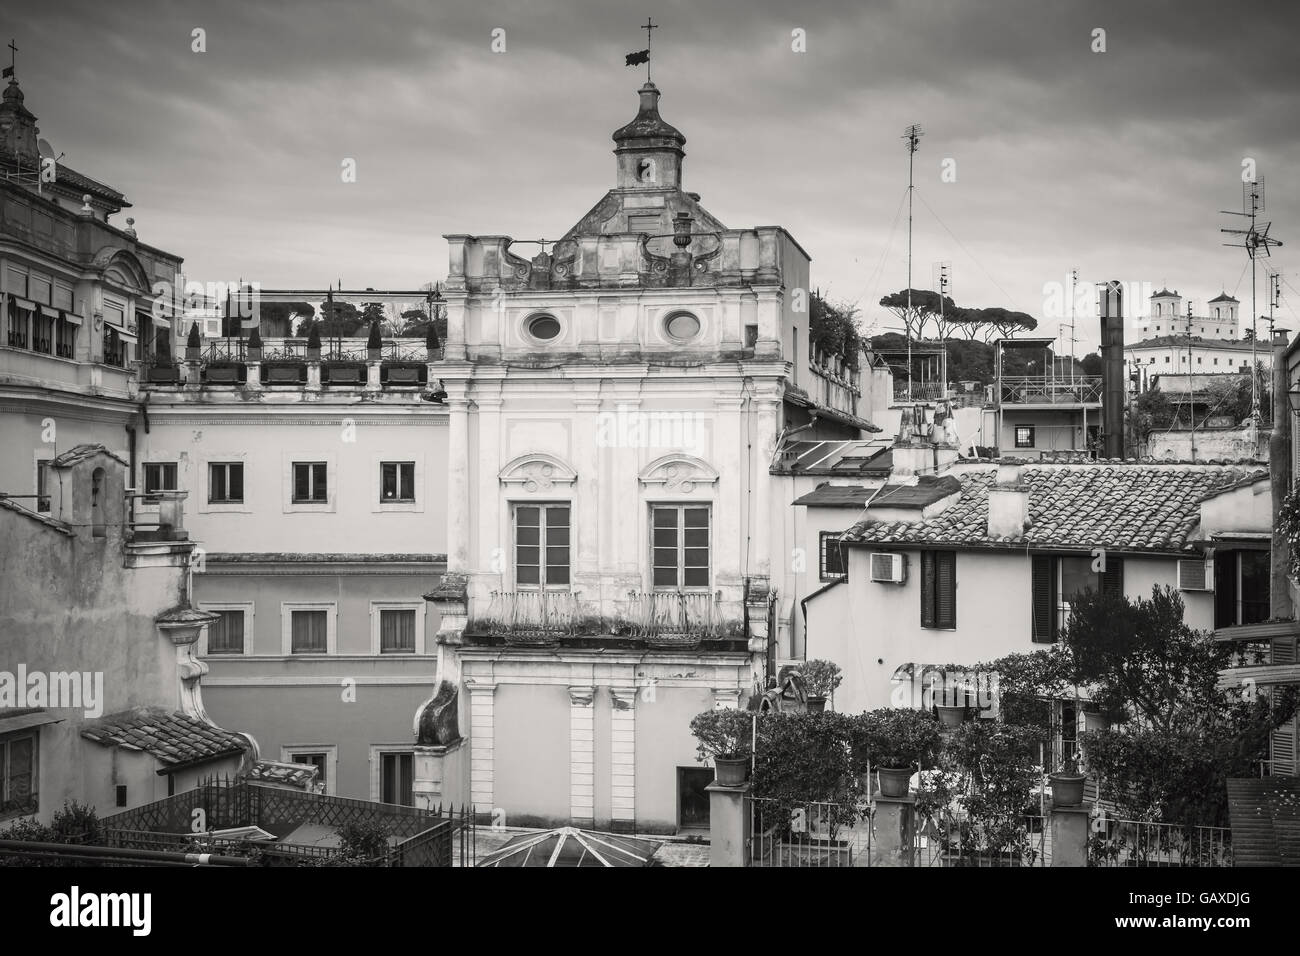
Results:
x,y
1114,163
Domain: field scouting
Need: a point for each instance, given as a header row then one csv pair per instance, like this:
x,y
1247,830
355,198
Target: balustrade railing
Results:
x,y
532,617
1037,390
675,618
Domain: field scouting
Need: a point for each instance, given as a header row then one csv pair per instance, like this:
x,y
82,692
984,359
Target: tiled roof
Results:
x,y
291,774
1233,345
1163,293
1133,507
835,496
170,736
321,557
928,490
67,177
36,516
81,453
1223,297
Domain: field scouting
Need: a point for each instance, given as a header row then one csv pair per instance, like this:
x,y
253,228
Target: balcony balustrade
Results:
x,y
1038,390
673,619
532,617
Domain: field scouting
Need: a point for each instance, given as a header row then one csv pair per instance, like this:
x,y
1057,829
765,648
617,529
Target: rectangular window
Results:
x,y
226,482
939,589
18,774
43,485
397,631
1024,436
1058,581
320,762
309,481
159,476
395,778
832,563
309,632
65,338
542,546
1241,587
397,481
680,543
226,634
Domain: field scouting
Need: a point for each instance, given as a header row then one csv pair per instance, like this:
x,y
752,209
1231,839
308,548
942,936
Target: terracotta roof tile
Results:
x,y
1131,507
170,736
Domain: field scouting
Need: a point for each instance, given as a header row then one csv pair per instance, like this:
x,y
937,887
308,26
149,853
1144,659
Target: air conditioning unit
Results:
x,y
888,568
1196,574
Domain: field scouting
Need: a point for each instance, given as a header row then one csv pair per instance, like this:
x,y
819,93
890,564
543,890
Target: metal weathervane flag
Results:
x,y
641,56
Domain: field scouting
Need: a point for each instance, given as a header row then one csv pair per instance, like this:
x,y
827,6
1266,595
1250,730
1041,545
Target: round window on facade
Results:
x,y
682,326
543,327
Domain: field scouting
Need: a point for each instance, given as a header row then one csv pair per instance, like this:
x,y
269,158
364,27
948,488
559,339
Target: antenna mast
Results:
x,y
1257,242
912,135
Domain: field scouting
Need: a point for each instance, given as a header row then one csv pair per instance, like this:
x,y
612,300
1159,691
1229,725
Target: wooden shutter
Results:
x,y
927,589
1112,579
945,589
1282,750
1043,587
1225,588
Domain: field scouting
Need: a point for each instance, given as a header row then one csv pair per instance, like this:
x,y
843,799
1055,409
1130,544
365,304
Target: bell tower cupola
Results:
x,y
648,150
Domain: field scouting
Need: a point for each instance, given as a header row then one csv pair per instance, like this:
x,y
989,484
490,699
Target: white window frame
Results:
x,y
375,636
204,506
377,504
331,626
681,585
331,751
144,465
331,482
248,609
376,753
513,505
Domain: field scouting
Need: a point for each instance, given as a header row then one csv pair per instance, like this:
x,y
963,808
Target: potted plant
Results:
x,y
1067,783
893,742
726,736
820,678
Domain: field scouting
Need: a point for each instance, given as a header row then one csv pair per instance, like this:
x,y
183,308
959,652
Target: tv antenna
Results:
x,y
1258,244
912,135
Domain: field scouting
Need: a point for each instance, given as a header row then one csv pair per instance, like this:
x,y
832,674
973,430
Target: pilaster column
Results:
x,y
458,479
765,429
726,698
587,435
582,756
622,762
481,745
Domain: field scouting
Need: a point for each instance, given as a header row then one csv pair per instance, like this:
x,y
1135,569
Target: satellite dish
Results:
x,y
44,147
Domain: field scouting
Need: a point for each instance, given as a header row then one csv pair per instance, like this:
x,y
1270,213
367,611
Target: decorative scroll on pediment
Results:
x,y
678,473
537,472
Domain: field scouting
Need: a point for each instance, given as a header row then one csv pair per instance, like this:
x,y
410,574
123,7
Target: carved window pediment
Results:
x,y
538,473
678,474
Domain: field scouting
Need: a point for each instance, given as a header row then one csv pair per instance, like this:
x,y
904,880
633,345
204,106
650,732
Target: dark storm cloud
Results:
x,y
1112,163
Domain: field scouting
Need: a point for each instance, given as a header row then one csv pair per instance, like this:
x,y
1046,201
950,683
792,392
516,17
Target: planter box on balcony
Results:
x,y
343,373
225,373
284,373
404,373
163,373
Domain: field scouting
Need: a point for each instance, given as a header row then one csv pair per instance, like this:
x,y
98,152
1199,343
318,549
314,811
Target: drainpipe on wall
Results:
x,y
1279,471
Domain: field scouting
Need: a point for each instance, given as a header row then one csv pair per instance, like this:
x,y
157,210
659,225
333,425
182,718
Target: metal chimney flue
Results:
x,y
1112,368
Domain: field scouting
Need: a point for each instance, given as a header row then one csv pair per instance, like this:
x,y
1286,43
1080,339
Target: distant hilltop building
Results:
x,y
1166,315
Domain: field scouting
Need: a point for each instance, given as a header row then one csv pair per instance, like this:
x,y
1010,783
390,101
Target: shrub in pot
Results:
x,y
1067,783
725,735
893,741
820,678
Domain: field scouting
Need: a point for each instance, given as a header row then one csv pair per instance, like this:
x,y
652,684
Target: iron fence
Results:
x,y
532,617
817,834
1117,842
1037,390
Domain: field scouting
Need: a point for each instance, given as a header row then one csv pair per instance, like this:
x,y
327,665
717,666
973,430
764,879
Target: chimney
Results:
x,y
1112,368
1008,504
1279,472
923,447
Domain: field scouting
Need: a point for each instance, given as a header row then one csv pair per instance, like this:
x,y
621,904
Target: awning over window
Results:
x,y
34,718
70,317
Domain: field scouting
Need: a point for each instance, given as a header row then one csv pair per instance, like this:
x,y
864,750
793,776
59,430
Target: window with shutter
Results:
x,y
945,581
1112,578
939,589
1225,589
1282,751
1043,587
927,589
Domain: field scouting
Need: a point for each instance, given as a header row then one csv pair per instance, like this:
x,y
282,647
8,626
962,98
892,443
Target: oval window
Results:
x,y
683,325
544,327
